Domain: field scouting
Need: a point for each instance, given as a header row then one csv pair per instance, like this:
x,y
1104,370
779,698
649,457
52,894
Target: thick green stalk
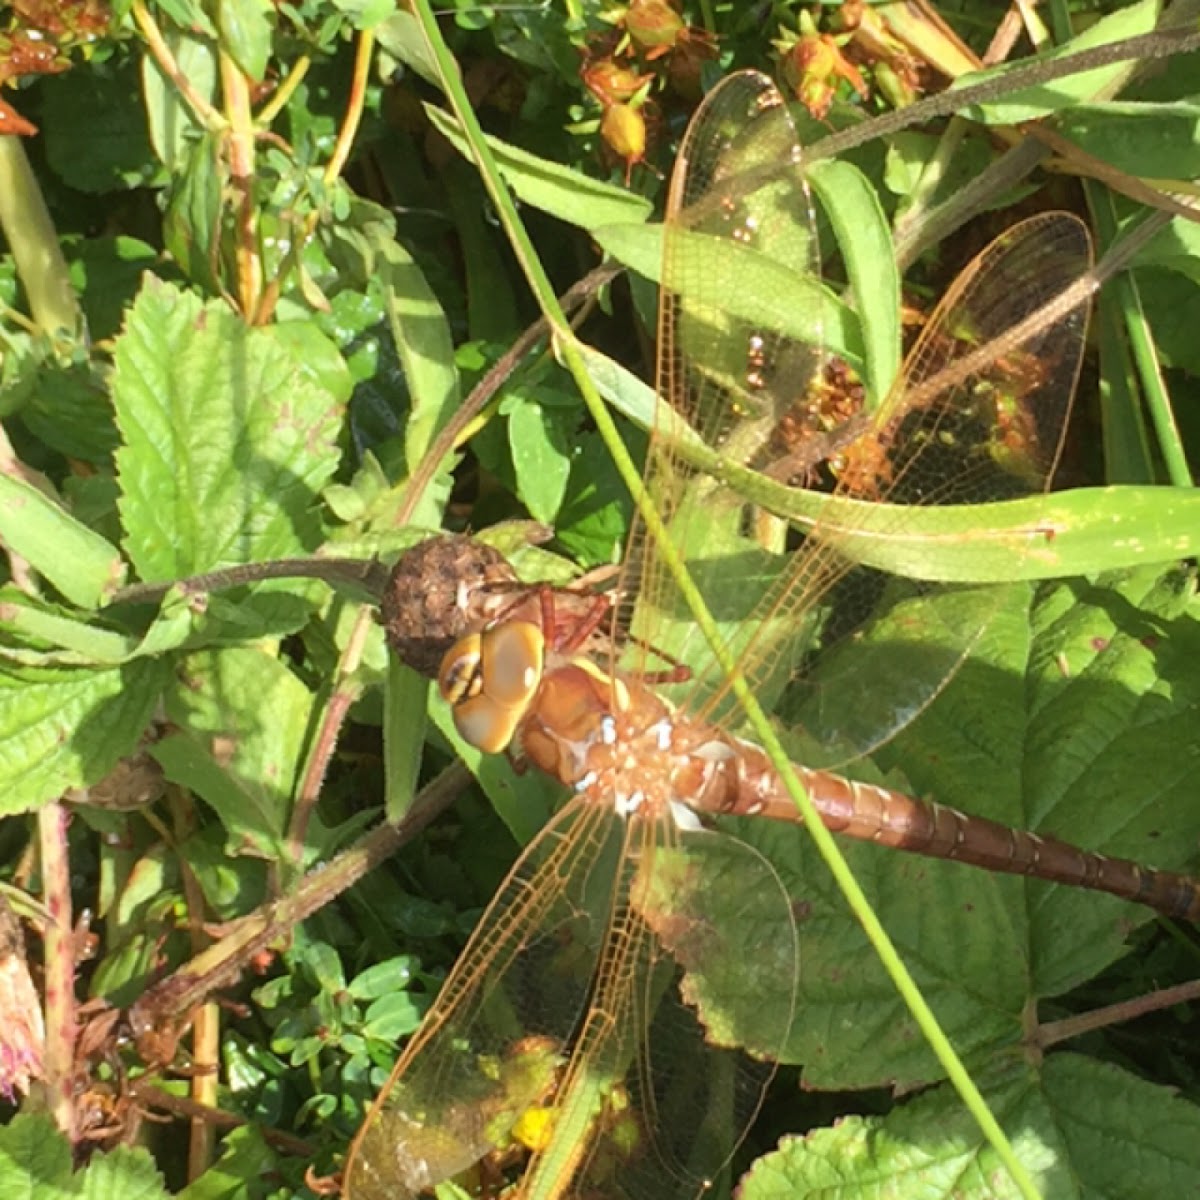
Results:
x,y
33,241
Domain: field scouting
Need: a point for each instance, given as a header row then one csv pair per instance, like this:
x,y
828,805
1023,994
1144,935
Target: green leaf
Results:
x,y
126,1173
1123,1136
80,563
109,150
172,122
405,698
245,1156
400,35
81,643
245,30
1084,1128
1043,537
862,234
192,225
392,1017
1033,103
242,718
1077,714
540,455
523,802
63,729
726,276
555,189
35,1159
229,432
931,1147
71,412
1154,141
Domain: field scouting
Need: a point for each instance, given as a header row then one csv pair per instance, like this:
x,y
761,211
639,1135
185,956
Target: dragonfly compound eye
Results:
x,y
513,655
490,679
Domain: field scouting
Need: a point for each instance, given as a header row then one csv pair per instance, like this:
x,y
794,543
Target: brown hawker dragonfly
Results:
x,y
609,1029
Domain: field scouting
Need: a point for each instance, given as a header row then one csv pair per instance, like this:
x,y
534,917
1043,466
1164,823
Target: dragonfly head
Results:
x,y
489,680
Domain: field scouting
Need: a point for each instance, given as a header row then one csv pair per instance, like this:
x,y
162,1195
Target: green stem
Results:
x,y
30,233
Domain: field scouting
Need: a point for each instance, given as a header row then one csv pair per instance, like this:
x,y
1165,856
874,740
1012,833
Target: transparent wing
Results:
x,y
494,1044
588,1025
693,1004
978,416
736,342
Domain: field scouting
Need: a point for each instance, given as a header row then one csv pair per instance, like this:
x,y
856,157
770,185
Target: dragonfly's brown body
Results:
x,y
613,737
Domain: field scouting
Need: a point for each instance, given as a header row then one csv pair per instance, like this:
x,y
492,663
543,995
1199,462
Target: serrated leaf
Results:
x,y
67,728
229,432
70,412
1123,1136
928,1149
1077,714
126,1173
1082,1128
242,718
35,1159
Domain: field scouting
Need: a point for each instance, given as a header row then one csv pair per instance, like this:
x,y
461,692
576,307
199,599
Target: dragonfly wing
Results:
x,y
494,1043
744,332
694,1001
979,416
741,327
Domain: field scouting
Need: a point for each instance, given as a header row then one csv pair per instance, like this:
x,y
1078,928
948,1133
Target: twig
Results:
x,y
1113,1014
61,1021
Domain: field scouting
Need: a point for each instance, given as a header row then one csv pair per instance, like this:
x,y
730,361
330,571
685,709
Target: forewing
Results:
x,y
741,317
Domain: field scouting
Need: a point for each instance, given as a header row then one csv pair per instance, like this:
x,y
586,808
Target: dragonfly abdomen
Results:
x,y
875,814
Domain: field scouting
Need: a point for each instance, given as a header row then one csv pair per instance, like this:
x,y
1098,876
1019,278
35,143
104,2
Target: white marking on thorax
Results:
x,y
627,805
684,817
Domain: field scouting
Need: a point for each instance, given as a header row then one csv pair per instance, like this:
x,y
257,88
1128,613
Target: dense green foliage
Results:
x,y
251,277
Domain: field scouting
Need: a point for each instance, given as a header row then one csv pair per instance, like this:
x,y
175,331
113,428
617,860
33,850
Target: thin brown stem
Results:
x,y
61,1022
345,692
151,1097
1114,1014
573,299
354,107
205,113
